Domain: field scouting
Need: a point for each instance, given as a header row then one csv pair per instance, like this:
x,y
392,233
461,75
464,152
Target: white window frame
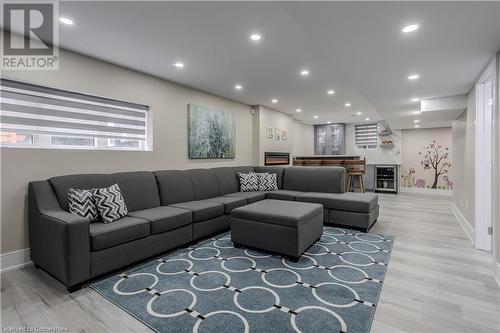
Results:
x,y
43,141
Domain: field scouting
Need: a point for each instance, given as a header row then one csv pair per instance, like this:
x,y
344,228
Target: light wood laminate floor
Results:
x,y
436,282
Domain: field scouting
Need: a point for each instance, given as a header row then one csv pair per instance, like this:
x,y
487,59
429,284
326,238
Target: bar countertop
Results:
x,y
325,156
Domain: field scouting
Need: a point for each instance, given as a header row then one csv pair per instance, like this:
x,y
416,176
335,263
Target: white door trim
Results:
x,y
484,157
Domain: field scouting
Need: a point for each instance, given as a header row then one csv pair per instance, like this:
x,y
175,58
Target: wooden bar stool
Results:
x,y
355,169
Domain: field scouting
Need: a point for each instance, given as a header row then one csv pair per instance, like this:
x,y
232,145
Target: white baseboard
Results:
x,y
420,190
469,231
14,259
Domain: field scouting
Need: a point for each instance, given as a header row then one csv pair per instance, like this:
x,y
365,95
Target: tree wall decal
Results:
x,y
436,159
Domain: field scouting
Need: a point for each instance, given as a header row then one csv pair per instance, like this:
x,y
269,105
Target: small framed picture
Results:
x,y
277,134
284,134
269,132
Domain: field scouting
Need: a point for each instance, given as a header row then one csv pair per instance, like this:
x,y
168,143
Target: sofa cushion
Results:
x,y
61,185
164,218
126,229
202,209
251,197
82,203
226,179
230,203
296,178
279,171
174,186
205,183
139,189
110,203
267,181
349,201
249,182
241,169
283,195
279,212
327,179
315,179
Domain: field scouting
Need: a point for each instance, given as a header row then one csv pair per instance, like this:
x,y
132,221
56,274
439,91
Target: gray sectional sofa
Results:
x,y
168,209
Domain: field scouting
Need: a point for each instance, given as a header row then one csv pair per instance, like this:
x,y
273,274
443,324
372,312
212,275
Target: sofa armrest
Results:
x,y
59,240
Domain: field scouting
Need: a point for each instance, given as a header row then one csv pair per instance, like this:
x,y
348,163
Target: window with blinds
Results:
x,y
41,117
366,135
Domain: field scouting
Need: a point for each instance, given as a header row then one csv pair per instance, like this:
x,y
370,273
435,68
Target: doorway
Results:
x,y
484,159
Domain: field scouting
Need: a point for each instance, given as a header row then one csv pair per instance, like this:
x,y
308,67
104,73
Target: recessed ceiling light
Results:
x,y
410,28
315,117
274,100
416,121
415,99
238,87
367,118
328,122
179,65
417,112
413,76
359,113
66,20
298,110
304,72
347,105
331,92
255,37
416,126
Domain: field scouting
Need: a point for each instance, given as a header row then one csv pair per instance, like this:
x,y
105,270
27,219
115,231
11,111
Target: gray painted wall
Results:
x,y
463,136
271,118
303,139
168,102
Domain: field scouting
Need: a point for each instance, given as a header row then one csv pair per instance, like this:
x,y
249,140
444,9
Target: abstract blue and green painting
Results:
x,y
212,133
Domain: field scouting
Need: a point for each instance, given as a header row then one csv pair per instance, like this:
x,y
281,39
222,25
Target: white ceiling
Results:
x,y
355,48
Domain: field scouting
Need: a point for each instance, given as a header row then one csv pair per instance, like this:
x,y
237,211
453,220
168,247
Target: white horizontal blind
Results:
x,y
69,118
366,135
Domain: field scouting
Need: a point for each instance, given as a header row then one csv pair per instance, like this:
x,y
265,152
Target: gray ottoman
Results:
x,y
278,226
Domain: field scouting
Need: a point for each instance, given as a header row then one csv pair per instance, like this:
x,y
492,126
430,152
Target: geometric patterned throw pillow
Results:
x,y
110,203
248,182
81,203
267,181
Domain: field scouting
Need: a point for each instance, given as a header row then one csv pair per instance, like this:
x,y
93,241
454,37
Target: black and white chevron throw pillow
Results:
x,y
267,181
248,182
110,203
81,203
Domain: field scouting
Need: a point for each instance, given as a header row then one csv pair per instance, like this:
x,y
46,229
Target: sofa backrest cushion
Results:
x,y
139,189
327,179
314,179
241,169
174,186
61,185
279,171
296,179
205,183
225,178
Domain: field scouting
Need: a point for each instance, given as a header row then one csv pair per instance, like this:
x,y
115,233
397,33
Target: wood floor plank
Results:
x,y
436,282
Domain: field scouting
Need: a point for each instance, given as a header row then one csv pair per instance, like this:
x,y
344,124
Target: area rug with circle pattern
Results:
x,y
214,287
